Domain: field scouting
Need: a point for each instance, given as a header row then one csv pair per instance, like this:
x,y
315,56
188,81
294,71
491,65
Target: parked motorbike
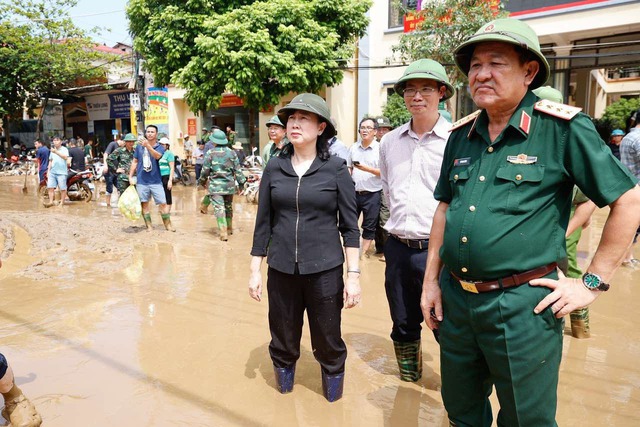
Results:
x,y
252,186
254,160
181,175
97,168
79,186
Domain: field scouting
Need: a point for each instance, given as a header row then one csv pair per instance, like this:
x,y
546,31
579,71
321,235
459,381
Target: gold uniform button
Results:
x,y
464,239
481,178
472,208
490,149
518,177
455,177
464,269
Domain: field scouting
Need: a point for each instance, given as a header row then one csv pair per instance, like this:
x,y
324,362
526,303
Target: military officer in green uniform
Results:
x,y
222,168
504,200
120,162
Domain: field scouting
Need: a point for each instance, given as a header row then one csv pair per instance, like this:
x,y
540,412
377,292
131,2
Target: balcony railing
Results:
x,y
623,73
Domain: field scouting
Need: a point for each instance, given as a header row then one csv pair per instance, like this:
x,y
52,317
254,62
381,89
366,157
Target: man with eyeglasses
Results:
x,y
363,162
410,160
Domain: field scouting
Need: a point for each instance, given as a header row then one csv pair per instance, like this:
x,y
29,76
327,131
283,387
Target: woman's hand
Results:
x,y
170,183
351,294
255,285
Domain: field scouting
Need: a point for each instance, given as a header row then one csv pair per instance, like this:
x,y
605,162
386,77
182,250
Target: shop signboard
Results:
x,y
108,106
158,111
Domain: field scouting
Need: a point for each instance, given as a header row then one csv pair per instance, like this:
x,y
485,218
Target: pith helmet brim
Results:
x,y
425,69
313,104
506,30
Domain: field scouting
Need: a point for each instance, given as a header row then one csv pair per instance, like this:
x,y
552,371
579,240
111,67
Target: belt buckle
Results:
x,y
469,286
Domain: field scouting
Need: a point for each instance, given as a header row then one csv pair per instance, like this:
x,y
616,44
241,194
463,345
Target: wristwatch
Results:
x,y
593,282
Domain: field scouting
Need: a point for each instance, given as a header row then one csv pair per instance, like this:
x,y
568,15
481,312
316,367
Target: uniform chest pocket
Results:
x,y
515,188
458,179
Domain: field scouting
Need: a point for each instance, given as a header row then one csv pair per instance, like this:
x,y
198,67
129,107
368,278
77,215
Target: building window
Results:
x,y
396,11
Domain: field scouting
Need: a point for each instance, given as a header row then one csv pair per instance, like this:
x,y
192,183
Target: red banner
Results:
x,y
411,22
230,100
191,127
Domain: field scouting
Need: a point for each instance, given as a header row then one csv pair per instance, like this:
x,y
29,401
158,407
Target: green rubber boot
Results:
x,y
222,226
147,221
409,357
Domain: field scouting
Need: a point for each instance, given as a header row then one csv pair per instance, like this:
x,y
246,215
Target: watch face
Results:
x,y
591,281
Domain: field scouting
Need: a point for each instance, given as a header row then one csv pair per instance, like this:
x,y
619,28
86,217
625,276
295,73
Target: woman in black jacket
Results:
x,y
307,200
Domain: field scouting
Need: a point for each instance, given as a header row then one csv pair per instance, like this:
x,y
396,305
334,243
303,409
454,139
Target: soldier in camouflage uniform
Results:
x,y
120,162
222,168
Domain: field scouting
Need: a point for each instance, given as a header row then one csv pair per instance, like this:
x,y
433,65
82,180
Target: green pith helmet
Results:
x,y
218,137
425,69
275,120
313,104
130,137
506,30
384,122
549,93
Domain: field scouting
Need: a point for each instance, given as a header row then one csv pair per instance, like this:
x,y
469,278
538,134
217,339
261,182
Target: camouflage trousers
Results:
x,y
222,205
122,182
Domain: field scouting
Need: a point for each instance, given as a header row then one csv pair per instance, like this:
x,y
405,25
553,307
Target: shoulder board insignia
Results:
x,y
562,111
463,121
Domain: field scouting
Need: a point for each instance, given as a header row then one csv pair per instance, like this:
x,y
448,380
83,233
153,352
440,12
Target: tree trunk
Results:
x,y
40,116
252,130
6,123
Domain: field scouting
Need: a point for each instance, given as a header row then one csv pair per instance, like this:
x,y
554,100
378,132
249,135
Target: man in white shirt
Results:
x,y
364,164
410,161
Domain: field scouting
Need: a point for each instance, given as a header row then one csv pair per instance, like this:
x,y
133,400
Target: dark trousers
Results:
x,y
403,284
381,234
198,170
368,203
167,192
495,339
110,179
321,295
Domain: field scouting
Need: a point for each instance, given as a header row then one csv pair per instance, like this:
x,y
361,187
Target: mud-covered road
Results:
x,y
106,324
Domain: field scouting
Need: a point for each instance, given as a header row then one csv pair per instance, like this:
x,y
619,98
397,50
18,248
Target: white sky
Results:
x,y
108,14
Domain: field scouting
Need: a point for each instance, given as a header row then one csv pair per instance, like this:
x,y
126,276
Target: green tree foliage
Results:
x,y
396,110
41,53
618,112
446,24
258,50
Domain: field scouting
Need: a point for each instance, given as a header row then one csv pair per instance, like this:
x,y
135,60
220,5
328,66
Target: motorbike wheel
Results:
x,y
185,178
85,193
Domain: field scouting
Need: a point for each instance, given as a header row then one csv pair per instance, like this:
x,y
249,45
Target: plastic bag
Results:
x,y
129,204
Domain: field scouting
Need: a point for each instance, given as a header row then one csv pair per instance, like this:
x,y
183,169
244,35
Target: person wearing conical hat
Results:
x,y
498,232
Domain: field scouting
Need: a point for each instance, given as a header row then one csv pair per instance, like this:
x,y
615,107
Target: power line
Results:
x,y
70,17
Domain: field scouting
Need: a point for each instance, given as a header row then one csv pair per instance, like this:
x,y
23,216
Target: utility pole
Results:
x,y
140,89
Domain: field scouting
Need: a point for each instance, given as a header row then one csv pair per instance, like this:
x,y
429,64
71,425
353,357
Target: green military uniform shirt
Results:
x,y
222,167
509,201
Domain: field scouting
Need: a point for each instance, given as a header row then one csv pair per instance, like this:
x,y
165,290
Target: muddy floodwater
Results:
x,y
106,324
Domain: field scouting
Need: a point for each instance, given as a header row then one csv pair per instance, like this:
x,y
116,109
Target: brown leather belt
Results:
x,y
506,282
